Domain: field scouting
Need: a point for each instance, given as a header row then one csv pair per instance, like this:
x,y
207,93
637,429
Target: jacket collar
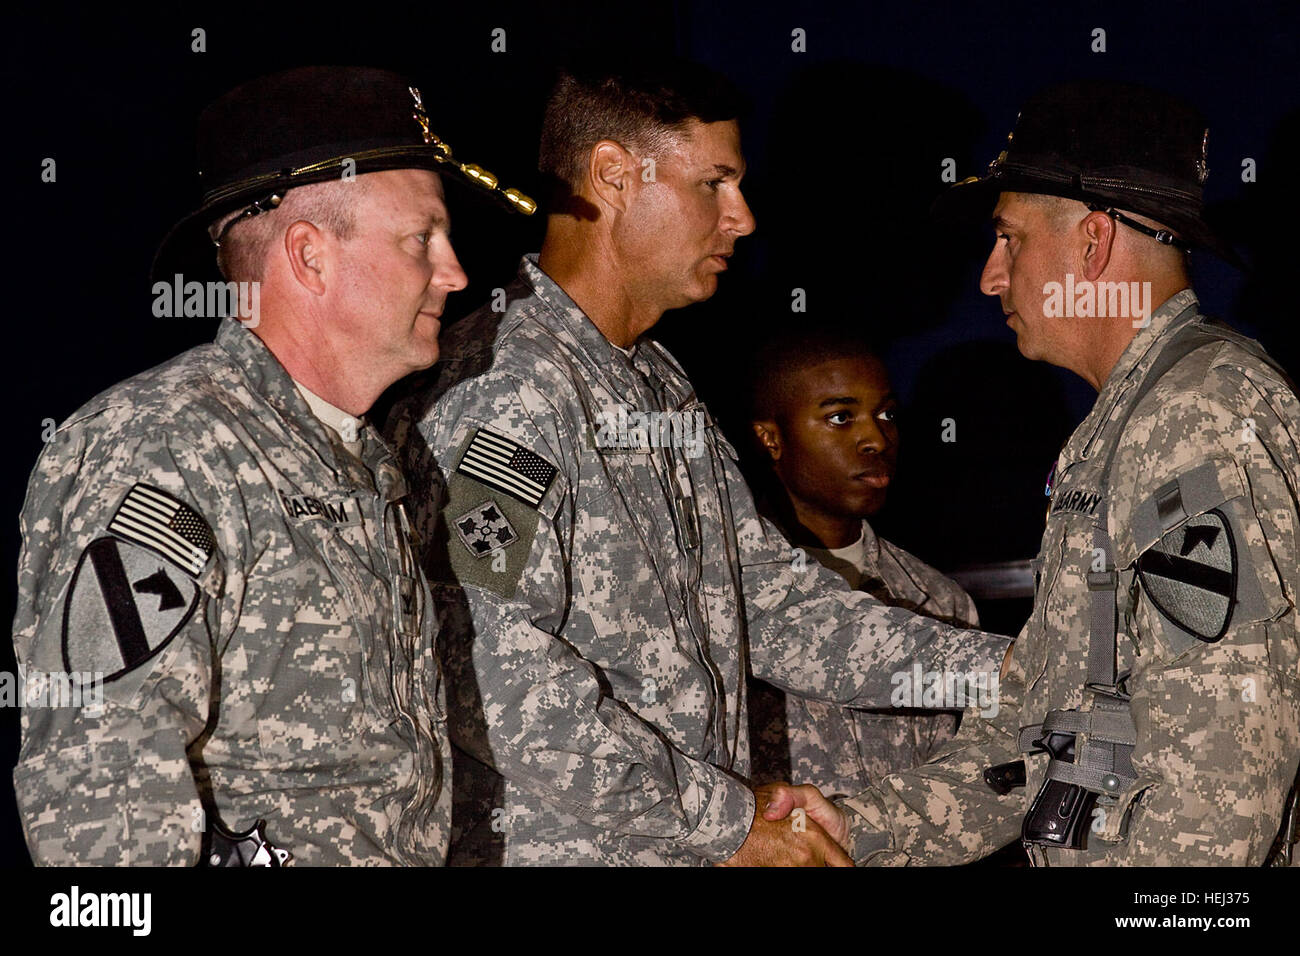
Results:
x,y
617,368
266,377
1164,322
1137,357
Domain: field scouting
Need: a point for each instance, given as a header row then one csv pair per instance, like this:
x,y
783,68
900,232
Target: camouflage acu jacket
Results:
x,y
1217,717
243,587
843,750
599,574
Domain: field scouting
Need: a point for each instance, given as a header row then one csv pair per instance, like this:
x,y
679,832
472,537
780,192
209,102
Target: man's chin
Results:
x,y
704,288
873,504
423,354
857,504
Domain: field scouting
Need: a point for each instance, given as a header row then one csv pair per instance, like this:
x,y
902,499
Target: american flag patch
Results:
x,y
156,520
506,466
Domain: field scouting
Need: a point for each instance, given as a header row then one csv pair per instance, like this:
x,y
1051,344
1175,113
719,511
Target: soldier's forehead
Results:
x,y
709,144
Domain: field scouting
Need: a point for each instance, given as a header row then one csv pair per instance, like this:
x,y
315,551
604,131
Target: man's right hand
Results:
x,y
783,799
797,841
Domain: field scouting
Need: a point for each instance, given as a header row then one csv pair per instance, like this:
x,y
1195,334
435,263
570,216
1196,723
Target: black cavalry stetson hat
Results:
x,y
301,126
1112,146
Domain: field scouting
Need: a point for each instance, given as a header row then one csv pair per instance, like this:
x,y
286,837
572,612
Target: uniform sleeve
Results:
x,y
810,635
117,575
523,700
1216,704
1218,736
944,813
967,614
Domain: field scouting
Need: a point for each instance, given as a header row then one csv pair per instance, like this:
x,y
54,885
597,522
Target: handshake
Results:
x,y
794,826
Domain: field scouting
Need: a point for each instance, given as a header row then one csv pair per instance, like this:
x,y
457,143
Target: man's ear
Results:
x,y
305,247
769,436
1099,232
610,170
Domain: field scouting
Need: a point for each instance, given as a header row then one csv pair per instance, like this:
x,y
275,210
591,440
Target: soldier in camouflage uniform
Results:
x,y
824,415
1156,685
606,579
223,540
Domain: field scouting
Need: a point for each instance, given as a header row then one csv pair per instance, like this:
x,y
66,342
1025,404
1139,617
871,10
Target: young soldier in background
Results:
x,y
825,418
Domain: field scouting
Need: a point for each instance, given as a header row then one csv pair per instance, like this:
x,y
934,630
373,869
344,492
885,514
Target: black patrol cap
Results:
x,y
1112,146
308,125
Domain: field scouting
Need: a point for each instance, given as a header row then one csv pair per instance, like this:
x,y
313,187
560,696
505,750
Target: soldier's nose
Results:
x,y
447,272
872,439
993,280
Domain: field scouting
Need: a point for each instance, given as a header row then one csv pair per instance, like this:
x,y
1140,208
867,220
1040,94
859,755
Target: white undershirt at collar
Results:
x,y
855,553
347,427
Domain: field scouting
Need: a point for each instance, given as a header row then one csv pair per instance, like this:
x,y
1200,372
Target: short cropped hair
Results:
x,y
329,205
1063,213
639,104
1057,208
784,353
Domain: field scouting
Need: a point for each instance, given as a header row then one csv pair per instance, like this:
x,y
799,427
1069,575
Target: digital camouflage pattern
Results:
x,y
596,658
842,750
1218,723
274,693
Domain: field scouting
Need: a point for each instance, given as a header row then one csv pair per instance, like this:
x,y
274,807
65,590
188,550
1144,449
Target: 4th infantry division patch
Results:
x,y
485,529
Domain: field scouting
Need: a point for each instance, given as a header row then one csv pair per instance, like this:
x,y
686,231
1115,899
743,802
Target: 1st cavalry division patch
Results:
x,y
1191,575
140,586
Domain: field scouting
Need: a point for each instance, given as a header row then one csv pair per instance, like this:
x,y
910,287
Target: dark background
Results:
x,y
844,142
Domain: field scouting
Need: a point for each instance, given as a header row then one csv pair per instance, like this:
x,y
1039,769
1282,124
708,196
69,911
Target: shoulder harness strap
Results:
x,y
1104,767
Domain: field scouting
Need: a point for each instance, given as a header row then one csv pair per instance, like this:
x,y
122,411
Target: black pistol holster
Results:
x,y
250,848
1062,812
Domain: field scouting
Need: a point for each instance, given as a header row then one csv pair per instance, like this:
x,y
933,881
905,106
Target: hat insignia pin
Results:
x,y
996,165
471,171
421,117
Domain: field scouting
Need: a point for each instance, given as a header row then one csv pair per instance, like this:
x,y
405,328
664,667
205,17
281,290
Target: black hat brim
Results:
x,y
973,202
187,249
